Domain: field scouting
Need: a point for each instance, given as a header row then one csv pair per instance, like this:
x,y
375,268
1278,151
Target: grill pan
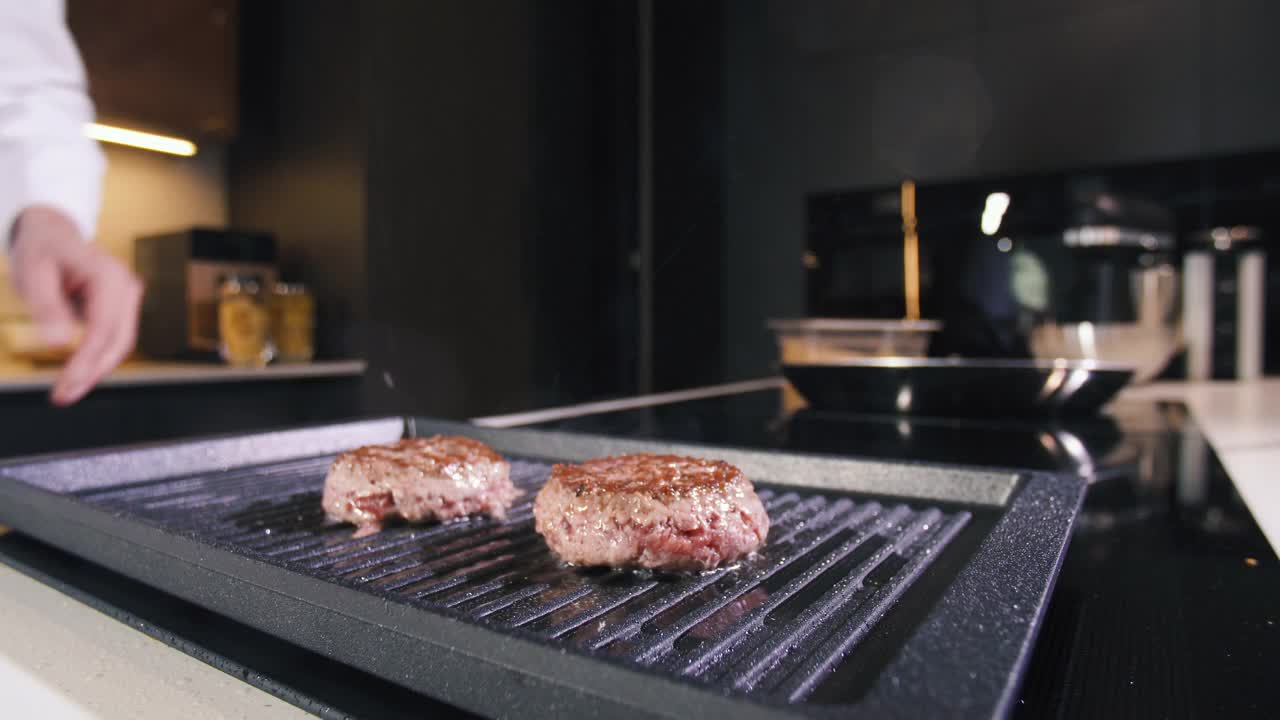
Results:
x,y
884,588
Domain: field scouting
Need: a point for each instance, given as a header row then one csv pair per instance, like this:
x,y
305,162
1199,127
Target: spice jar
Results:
x,y
293,322
244,324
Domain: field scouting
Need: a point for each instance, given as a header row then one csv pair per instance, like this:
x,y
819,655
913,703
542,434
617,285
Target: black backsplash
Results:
x,y
855,236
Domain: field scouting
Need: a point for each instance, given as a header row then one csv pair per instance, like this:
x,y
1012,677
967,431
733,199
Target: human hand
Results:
x,y
66,281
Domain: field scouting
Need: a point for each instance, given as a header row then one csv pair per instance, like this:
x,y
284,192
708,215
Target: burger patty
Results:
x,y
660,512
440,477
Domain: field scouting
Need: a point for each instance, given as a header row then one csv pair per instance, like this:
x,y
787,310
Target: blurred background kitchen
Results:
x,y
485,207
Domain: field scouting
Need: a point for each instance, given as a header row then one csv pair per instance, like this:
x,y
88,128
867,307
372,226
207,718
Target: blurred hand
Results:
x,y
66,281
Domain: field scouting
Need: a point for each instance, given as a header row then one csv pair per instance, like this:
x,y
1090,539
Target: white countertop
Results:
x,y
62,659
24,378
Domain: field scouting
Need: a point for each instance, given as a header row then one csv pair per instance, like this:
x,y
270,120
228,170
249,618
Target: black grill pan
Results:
x,y
883,589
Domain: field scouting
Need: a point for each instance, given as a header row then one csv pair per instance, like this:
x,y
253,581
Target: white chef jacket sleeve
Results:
x,y
45,157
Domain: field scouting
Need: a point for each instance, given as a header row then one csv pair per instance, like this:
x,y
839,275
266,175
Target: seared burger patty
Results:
x,y
661,512
435,478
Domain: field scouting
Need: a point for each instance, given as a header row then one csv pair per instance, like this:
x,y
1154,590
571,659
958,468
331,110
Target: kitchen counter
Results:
x,y
1242,422
149,401
60,658
26,378
50,659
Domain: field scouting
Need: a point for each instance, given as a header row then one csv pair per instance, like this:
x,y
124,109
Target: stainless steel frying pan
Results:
x,y
959,386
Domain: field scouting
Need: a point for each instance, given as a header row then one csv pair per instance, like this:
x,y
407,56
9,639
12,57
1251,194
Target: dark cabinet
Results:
x,y
455,179
168,67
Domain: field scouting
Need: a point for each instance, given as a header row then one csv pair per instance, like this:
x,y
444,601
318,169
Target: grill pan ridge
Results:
x,y
770,632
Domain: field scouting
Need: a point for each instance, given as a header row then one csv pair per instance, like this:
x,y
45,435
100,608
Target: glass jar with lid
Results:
x,y
244,322
293,322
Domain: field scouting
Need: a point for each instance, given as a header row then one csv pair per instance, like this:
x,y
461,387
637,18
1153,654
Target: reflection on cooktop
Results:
x,y
1090,445
1079,447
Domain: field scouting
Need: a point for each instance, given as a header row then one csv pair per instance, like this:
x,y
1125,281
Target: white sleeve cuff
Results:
x,y
65,174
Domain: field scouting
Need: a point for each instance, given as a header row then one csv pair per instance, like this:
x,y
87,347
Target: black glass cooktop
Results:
x,y
1166,605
